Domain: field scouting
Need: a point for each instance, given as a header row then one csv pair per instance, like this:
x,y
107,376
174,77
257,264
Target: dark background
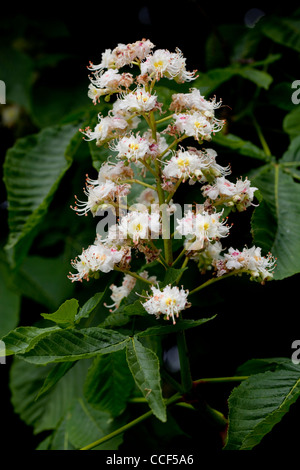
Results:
x,y
90,28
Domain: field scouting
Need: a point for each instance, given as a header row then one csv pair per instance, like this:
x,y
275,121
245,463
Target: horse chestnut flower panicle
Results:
x,y
144,153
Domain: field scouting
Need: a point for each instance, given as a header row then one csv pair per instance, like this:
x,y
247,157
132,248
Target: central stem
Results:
x,y
162,202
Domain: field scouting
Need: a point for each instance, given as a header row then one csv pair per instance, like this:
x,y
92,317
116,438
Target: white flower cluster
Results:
x,y
201,228
193,165
249,260
238,195
122,291
195,116
168,302
98,257
159,163
105,190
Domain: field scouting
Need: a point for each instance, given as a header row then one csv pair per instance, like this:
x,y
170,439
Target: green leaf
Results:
x,y
280,95
59,439
135,308
285,31
208,82
33,169
23,338
86,424
89,307
144,366
65,315
71,345
46,412
291,123
260,78
58,371
52,105
44,280
268,60
293,153
276,222
260,402
243,147
179,326
14,65
255,366
115,319
172,275
109,383
10,302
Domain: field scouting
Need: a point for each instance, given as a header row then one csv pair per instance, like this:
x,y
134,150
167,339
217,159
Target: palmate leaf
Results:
x,y
33,169
260,402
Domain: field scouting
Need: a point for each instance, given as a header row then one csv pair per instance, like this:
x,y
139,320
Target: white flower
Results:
x,y
116,234
111,80
99,195
136,102
214,169
170,302
185,165
95,93
239,194
163,63
113,172
196,125
96,257
131,147
107,83
158,146
121,292
140,225
207,257
106,128
123,54
248,260
107,61
194,101
201,228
